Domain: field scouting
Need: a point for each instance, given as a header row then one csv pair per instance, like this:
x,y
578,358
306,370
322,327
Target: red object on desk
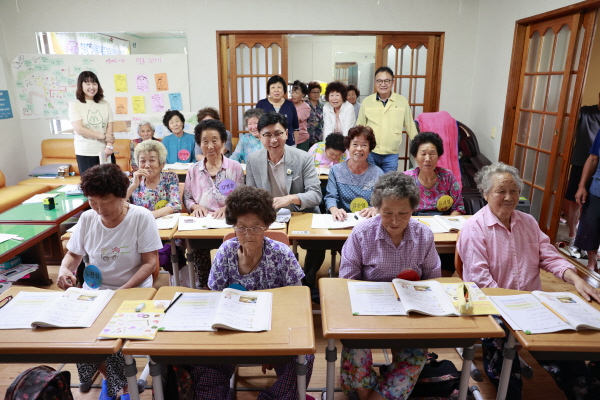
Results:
x,y
409,275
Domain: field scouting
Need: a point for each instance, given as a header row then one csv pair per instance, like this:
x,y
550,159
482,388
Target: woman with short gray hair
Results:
x,y
146,132
380,249
484,180
249,142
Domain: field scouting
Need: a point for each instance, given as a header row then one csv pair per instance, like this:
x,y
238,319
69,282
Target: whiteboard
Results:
x,y
143,86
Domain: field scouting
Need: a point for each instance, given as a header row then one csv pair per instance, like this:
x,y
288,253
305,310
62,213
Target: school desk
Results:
x,y
564,345
385,332
291,334
65,345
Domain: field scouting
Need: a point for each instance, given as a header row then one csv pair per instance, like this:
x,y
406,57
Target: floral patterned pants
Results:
x,y
397,379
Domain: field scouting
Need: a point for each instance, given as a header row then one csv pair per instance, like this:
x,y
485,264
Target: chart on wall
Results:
x,y
136,86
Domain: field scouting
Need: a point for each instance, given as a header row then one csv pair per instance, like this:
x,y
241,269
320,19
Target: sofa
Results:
x,y
11,196
59,151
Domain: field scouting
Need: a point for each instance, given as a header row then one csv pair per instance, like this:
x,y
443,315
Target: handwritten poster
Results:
x,y
121,105
141,82
121,83
175,100
139,106
158,104
161,82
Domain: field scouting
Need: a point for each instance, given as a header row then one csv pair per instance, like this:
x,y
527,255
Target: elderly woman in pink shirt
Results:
x,y
505,248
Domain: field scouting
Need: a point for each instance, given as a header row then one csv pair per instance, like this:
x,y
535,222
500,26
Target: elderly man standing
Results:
x,y
387,113
290,176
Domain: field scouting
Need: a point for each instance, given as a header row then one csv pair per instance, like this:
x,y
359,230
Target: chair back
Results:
x,y
181,186
274,235
458,263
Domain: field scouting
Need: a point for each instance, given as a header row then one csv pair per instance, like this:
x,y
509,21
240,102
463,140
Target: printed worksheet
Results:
x,y
374,298
24,308
192,312
425,297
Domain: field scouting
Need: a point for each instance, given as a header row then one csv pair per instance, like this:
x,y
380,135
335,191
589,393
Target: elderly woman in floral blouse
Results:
x,y
315,119
204,193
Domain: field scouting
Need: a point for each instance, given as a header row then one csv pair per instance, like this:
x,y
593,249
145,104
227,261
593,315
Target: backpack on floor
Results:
x,y
177,382
438,380
40,383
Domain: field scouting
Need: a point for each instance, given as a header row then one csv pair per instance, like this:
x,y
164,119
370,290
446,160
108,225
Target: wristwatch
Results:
x,y
110,147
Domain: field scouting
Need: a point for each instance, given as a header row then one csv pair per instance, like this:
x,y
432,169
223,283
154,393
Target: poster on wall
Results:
x,y
5,107
47,83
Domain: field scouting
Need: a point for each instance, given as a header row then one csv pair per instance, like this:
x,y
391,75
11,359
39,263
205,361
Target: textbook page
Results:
x,y
25,307
244,311
433,224
374,298
578,312
525,313
480,304
192,312
168,221
452,223
177,166
323,170
208,222
425,297
325,221
127,323
76,308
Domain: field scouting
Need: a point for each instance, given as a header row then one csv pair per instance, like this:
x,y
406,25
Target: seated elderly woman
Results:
x,y
146,132
129,235
354,179
256,262
212,113
440,191
249,142
330,152
150,187
505,248
207,185
338,114
379,249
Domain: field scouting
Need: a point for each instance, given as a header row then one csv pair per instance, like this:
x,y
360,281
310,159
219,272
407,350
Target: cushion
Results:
x,y
12,196
52,183
47,170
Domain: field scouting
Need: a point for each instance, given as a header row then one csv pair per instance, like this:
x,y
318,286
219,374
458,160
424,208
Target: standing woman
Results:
x,y
353,96
299,91
315,119
338,114
276,101
92,121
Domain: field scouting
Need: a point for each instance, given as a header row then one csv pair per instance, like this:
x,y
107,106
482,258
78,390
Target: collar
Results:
x,y
490,219
225,163
280,161
382,234
384,101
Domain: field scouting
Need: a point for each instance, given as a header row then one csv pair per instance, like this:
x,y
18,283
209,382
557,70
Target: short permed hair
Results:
x,y
336,87
360,130
104,179
353,87
148,146
301,86
335,141
84,77
213,124
484,180
314,85
207,111
276,79
272,118
170,114
250,200
395,185
427,137
252,113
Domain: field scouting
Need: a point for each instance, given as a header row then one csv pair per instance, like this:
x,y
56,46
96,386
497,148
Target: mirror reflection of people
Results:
x,y
378,249
387,113
121,240
276,101
299,91
338,114
146,132
315,119
92,121
212,113
255,262
505,248
180,145
353,96
249,142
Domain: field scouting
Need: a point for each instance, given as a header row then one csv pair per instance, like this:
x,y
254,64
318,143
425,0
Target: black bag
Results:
x,y
41,383
438,380
177,383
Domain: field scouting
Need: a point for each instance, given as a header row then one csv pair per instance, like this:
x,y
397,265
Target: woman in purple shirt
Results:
x,y
379,249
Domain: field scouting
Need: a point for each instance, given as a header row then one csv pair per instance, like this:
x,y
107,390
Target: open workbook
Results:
x,y
230,309
546,312
73,308
136,319
326,221
443,223
400,297
167,221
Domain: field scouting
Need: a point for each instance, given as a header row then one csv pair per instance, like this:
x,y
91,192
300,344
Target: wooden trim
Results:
x,y
224,106
233,83
436,81
380,54
326,32
573,8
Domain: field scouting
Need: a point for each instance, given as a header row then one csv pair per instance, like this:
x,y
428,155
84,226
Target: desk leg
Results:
x,y
468,356
174,262
190,264
295,247
330,357
332,268
509,355
155,373
301,371
131,374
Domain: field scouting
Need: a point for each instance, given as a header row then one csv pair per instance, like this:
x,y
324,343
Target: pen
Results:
x,y
173,302
356,218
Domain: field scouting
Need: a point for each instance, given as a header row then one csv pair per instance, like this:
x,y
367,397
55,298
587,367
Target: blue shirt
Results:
x,y
289,110
343,186
595,186
174,145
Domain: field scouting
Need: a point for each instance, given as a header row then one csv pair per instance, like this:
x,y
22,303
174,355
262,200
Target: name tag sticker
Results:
x,y
183,155
445,202
92,276
226,186
160,204
358,204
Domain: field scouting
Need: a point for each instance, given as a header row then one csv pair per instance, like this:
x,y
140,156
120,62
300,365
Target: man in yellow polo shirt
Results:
x,y
387,113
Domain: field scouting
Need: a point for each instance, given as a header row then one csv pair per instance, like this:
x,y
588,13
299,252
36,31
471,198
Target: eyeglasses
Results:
x,y
315,92
255,229
276,135
382,81
5,301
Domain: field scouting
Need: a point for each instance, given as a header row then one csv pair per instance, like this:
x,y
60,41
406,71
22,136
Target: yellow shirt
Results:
x,y
387,122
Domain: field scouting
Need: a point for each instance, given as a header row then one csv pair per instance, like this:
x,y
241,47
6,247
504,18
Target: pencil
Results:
x,y
173,302
554,312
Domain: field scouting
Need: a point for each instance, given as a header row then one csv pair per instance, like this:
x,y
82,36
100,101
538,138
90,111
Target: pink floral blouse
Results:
x,y
446,184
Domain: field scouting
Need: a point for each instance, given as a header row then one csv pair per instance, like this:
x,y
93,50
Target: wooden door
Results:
x,y
416,60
